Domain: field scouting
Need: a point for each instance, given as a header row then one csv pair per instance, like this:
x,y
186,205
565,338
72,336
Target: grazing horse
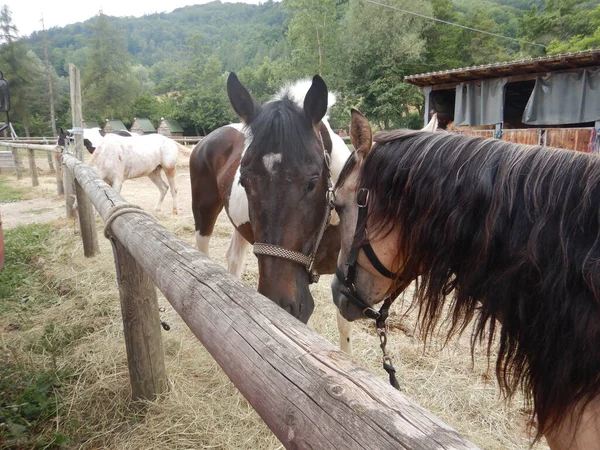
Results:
x,y
273,174
117,158
508,234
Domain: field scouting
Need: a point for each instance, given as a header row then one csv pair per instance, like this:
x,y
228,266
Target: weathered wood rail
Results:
x,y
306,390
31,148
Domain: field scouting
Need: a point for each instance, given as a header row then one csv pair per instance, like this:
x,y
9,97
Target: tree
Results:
x,y
23,71
384,45
109,86
314,35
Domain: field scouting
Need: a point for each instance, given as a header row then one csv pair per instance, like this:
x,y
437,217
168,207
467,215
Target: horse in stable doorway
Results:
x,y
506,234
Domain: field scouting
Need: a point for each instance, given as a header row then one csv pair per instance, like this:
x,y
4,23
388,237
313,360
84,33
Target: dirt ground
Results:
x,y
443,379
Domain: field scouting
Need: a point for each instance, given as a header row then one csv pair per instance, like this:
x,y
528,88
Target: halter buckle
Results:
x,y
360,201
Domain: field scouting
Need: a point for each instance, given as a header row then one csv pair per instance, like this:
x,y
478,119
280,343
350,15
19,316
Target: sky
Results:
x,y
27,14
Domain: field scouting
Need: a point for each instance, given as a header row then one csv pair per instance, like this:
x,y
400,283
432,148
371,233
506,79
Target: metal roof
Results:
x,y
144,124
115,124
521,67
173,125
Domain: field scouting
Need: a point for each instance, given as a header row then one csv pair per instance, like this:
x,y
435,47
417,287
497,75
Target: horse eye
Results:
x,y
312,184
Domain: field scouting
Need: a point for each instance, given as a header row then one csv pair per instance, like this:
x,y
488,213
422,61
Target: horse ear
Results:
x,y
433,124
243,104
315,102
360,133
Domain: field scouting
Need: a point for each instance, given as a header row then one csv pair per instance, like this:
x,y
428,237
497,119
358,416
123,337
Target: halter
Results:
x,y
308,261
360,235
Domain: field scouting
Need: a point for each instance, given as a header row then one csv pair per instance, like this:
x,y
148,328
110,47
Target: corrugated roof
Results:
x,y
115,124
524,66
144,124
91,124
173,125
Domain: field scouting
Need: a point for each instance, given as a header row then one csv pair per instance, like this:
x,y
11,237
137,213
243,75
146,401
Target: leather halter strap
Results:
x,y
308,261
348,280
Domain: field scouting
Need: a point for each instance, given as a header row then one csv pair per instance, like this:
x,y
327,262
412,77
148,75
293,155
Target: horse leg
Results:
x,y
206,209
170,173
345,330
577,435
236,253
161,185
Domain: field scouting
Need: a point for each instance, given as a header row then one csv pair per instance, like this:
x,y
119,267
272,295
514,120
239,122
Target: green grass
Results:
x,y
9,193
29,402
29,392
23,245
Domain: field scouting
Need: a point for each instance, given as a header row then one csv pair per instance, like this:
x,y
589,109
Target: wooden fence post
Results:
x,y
87,223
18,163
50,162
60,190
141,325
33,168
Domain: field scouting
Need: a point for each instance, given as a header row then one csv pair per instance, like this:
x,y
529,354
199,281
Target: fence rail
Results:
x,y
305,389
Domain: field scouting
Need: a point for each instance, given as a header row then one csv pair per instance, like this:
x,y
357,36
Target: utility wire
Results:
x,y
454,23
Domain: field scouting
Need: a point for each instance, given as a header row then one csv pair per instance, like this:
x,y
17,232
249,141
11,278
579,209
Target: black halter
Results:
x,y
360,235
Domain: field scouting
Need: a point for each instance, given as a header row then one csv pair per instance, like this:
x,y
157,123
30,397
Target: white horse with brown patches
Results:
x,y
118,158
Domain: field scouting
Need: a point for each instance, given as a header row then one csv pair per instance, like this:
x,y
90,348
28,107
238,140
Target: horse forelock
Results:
x,y
513,232
282,128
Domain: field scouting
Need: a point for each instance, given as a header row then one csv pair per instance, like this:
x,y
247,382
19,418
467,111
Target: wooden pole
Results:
x,y
50,163
141,326
87,223
33,168
60,190
18,163
76,113
69,189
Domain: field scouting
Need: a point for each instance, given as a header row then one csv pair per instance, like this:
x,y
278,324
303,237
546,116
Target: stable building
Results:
x,y
114,125
553,100
142,126
169,127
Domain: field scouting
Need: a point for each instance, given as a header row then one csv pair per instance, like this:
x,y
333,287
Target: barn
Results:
x,y
142,126
90,124
114,125
553,100
169,127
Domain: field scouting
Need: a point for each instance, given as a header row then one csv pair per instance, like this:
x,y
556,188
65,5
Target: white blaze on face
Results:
x,y
238,201
270,160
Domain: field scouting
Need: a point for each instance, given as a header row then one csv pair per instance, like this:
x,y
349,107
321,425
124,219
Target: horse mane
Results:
x,y
508,232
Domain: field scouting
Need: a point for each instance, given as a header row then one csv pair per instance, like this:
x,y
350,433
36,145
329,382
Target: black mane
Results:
x,y
513,232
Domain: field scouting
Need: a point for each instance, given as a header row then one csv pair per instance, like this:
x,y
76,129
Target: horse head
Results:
x,y
285,173
65,137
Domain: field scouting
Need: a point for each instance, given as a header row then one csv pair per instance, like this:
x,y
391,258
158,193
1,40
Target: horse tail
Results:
x,y
183,149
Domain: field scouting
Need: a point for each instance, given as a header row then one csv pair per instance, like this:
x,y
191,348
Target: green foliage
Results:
x,y
28,404
314,36
109,86
22,245
580,42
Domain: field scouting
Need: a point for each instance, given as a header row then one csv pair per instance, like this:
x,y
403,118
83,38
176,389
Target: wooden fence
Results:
x,y
53,152
306,390
578,139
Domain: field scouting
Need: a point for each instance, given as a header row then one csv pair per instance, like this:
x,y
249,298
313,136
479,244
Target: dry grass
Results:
x,y
202,408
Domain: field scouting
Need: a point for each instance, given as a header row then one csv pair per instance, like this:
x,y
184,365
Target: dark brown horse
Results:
x,y
508,234
272,174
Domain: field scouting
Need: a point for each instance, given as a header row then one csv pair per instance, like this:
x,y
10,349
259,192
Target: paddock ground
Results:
x,y
203,409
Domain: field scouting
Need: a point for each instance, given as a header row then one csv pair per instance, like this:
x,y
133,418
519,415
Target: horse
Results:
x,y
272,173
508,234
118,158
